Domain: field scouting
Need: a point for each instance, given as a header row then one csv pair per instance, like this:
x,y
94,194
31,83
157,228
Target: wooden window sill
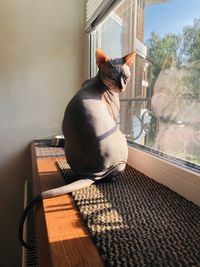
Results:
x,y
62,237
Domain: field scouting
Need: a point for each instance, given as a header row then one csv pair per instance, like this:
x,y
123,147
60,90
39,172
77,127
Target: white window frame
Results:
x,y
181,180
184,181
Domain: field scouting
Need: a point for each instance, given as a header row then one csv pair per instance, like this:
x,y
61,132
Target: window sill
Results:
x,y
181,180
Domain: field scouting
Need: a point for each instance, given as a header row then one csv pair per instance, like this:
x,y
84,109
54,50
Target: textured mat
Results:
x,y
135,221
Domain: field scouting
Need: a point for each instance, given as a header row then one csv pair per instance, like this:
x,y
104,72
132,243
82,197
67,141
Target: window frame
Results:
x,y
180,179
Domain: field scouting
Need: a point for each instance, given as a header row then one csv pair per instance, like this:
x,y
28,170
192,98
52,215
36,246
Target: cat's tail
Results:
x,y
49,194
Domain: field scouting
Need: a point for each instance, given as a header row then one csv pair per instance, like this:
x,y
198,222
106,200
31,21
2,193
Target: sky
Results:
x,y
170,17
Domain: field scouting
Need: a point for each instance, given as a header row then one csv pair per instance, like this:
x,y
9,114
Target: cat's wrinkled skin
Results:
x,y
94,146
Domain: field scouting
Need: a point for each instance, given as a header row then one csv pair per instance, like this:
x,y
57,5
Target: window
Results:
x,y
160,110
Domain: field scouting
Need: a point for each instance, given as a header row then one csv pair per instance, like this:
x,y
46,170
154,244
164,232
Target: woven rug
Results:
x,y
135,221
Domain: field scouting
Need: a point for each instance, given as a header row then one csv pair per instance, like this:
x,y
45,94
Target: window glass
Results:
x,y
160,110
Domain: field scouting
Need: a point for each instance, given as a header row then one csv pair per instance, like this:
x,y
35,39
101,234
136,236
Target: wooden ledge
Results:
x,y
63,239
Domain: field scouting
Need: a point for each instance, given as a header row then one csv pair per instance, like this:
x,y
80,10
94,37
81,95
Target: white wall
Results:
x,y
41,67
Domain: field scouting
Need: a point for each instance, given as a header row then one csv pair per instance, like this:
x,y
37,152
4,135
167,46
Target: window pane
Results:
x,y
172,37
160,109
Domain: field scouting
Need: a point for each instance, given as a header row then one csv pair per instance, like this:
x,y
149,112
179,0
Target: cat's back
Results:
x,y
91,132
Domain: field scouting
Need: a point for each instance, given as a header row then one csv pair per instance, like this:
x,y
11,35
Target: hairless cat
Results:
x,y
94,146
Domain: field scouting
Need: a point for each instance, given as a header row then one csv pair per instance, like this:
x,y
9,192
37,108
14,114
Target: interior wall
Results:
x,y
41,67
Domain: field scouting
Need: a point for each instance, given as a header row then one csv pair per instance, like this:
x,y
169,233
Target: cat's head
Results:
x,y
114,73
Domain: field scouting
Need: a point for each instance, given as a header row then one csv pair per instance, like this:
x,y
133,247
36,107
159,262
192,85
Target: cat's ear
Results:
x,y
128,59
100,57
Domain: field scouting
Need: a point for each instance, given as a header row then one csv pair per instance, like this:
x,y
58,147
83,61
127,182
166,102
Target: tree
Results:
x,y
190,55
182,50
190,50
162,52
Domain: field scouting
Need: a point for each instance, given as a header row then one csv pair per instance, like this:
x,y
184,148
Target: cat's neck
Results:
x,y
101,87
95,83
110,97
96,87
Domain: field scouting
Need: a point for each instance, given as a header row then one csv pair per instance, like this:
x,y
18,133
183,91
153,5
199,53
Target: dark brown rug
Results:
x,y
135,221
